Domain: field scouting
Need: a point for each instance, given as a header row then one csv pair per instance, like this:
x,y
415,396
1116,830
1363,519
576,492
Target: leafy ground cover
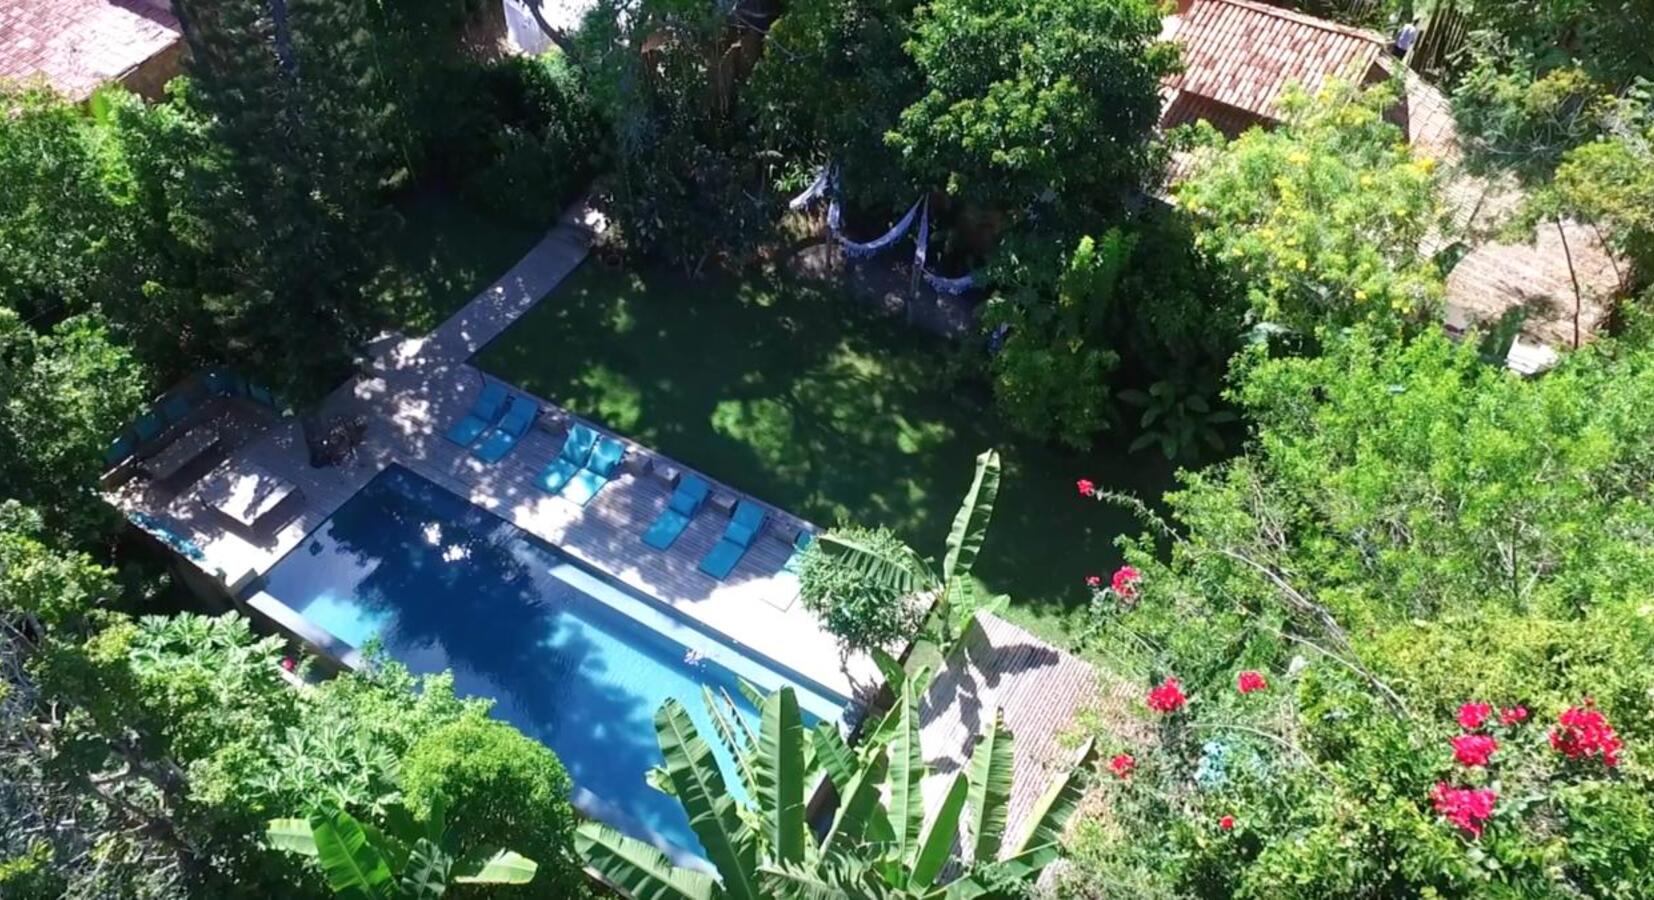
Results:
x,y
790,392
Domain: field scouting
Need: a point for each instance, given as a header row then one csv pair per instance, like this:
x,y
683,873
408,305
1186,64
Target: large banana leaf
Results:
x,y
856,806
940,834
711,807
970,524
638,869
780,775
1050,815
499,867
900,571
907,770
735,743
354,869
990,772
425,871
293,835
833,755
839,878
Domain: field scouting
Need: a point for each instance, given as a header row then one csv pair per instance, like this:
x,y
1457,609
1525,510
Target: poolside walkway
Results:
x,y
412,389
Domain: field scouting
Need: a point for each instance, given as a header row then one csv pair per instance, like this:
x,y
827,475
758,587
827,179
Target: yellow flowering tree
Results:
x,y
1325,217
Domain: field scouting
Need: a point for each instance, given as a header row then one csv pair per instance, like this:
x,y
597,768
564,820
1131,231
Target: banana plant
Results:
x,y
903,572
407,859
878,844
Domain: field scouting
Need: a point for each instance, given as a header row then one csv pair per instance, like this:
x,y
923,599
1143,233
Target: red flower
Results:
x,y
1467,808
1125,581
1511,715
1250,681
1583,732
1093,581
288,663
1122,765
1472,715
1227,823
1474,749
1085,486
1168,697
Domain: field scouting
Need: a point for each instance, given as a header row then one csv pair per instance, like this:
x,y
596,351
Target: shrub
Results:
x,y
861,613
503,789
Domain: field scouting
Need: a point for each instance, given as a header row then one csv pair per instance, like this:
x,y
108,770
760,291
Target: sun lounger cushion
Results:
x,y
176,408
721,560
577,448
666,529
483,412
742,528
148,425
598,471
120,450
800,544
500,439
689,495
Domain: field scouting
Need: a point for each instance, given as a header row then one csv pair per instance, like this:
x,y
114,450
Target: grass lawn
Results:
x,y
443,254
797,396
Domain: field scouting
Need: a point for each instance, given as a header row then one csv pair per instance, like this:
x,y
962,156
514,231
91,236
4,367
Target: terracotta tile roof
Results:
x,y
1243,54
1039,690
76,45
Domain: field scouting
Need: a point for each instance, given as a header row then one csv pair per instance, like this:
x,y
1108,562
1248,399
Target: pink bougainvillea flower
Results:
x,y
288,663
1125,581
1583,732
1250,681
1467,808
1512,715
1093,581
1227,823
1085,486
1122,764
1167,697
1474,749
1472,715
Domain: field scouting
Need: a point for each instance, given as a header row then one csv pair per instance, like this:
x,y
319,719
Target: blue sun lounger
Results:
x,y
686,501
519,415
738,535
599,470
484,410
577,448
800,544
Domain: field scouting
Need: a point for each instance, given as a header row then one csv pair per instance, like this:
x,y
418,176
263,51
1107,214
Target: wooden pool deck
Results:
x,y
412,390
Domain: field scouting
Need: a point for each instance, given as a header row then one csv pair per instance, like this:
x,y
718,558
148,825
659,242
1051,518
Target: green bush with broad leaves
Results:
x,y
1410,631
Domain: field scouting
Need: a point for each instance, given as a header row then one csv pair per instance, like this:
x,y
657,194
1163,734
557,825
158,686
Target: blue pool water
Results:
x,y
568,656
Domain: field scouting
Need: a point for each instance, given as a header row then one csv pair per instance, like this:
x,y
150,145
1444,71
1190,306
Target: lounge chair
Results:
x,y
120,449
577,448
519,416
599,470
686,501
176,408
149,425
484,410
738,535
800,544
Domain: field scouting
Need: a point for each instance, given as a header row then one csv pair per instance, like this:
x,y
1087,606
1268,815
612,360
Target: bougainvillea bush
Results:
x,y
1409,639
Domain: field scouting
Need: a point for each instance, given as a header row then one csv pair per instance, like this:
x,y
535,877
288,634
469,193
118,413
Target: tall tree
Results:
x,y
1325,217
1028,102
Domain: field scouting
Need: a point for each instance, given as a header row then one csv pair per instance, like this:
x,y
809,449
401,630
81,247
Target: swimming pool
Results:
x,y
568,656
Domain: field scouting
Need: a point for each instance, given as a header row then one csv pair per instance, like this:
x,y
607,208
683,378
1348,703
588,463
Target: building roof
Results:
x,y
77,45
1244,54
1039,690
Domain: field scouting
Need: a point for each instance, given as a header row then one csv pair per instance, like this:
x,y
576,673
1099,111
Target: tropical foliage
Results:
x,y
1324,218
408,858
870,587
1412,531
879,843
